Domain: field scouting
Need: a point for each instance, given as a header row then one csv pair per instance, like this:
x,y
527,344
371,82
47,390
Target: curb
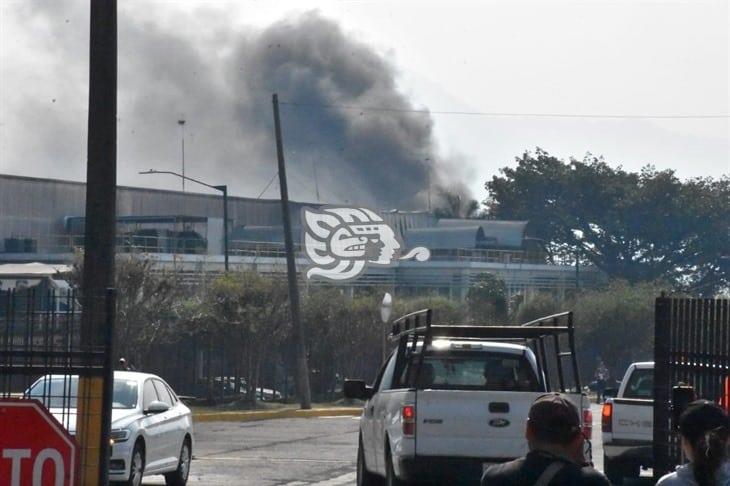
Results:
x,y
256,415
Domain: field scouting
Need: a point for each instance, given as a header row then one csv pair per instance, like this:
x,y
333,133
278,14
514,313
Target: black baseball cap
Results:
x,y
554,418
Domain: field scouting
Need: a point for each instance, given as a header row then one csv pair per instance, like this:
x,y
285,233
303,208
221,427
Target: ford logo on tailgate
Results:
x,y
499,422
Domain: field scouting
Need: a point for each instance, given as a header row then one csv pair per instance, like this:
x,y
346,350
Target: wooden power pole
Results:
x,y
299,338
97,320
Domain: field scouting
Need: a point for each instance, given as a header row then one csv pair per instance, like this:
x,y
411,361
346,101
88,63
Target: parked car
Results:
x,y
151,429
627,425
229,387
450,400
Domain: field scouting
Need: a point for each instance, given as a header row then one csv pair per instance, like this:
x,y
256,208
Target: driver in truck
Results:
x,y
556,450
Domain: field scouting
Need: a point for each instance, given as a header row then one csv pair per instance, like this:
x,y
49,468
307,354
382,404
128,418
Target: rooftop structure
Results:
x,y
41,220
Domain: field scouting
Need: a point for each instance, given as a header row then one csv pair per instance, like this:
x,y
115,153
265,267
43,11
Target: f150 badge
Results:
x,y
499,422
342,241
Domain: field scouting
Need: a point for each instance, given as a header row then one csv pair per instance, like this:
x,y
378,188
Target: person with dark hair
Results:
x,y
556,455
704,429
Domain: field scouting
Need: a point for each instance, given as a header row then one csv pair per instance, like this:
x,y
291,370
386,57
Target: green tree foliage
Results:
x,y
147,308
633,226
616,324
244,312
487,300
147,302
445,311
346,333
529,308
324,314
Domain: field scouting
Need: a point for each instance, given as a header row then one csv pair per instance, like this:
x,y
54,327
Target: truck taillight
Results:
x,y
408,418
607,417
587,423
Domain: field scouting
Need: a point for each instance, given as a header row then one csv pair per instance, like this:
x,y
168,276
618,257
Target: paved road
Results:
x,y
292,452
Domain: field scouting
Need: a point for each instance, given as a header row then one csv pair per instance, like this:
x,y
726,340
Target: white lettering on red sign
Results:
x,y
17,455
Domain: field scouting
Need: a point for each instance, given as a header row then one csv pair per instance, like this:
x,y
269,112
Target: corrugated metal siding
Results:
x,y
31,207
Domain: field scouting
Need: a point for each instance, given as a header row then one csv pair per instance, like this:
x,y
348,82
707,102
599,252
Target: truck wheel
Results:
x,y
390,478
365,477
613,470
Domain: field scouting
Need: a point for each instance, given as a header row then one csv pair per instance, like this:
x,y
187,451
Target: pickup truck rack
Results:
x,y
414,328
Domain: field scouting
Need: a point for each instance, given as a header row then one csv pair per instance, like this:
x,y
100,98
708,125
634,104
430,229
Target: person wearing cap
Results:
x,y
704,430
555,454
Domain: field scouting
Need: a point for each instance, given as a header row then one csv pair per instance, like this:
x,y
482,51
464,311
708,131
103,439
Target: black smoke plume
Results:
x,y
221,82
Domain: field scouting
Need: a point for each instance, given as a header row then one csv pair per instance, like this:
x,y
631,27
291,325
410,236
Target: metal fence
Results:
x,y
45,355
692,347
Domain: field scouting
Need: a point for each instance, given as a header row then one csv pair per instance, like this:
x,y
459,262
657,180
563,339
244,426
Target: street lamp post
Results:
x,y
223,189
182,143
386,308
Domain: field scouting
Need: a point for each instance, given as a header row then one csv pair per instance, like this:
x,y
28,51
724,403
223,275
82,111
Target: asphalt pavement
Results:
x,y
295,452
285,452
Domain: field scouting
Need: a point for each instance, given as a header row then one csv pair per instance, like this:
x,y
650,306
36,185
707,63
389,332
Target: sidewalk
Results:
x,y
253,415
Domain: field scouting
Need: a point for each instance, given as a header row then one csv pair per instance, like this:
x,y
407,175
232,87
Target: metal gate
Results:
x,y
42,357
691,347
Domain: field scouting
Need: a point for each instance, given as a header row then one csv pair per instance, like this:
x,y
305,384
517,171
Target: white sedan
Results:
x,y
152,431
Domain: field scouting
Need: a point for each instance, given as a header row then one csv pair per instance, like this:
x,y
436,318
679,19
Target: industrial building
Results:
x,y
42,220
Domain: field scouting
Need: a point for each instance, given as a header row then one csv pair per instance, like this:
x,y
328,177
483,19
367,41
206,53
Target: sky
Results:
x,y
216,63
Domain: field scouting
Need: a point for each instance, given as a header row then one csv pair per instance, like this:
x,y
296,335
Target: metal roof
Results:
x,y
446,238
32,269
509,234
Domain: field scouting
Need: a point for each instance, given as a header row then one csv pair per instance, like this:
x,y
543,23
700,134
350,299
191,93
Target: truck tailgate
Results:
x,y
633,419
468,423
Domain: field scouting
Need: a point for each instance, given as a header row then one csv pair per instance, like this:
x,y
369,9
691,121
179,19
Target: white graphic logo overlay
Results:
x,y
342,241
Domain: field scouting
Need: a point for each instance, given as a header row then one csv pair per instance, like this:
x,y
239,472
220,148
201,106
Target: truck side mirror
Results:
x,y
357,389
682,395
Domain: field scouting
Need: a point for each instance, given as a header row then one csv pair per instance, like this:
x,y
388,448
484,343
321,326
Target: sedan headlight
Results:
x,y
119,435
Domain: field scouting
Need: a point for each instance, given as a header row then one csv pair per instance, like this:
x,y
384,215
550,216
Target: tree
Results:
x,y
147,306
247,313
616,324
534,307
324,313
633,226
487,300
445,311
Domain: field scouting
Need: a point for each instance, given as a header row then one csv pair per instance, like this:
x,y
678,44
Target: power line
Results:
x,y
267,185
498,114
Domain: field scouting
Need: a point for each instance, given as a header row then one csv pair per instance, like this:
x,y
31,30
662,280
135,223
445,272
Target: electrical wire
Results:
x,y
498,114
267,185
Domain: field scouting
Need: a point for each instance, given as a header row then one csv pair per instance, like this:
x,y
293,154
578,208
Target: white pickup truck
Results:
x,y
443,414
627,425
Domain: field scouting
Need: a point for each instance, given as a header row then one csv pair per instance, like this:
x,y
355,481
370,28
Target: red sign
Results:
x,y
34,448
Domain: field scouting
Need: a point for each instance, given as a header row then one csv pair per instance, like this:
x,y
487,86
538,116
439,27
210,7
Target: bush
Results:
x,y
535,306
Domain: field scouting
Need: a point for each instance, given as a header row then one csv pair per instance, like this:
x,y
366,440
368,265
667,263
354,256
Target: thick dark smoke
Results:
x,y
223,87
378,157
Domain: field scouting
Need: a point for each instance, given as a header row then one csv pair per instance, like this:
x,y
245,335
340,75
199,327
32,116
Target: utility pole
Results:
x,y
182,143
224,190
299,338
94,392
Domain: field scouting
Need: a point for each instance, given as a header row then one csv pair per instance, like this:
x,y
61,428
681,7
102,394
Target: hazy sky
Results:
x,y
628,57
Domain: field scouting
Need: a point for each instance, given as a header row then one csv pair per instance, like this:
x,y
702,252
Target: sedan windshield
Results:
x,y
61,392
